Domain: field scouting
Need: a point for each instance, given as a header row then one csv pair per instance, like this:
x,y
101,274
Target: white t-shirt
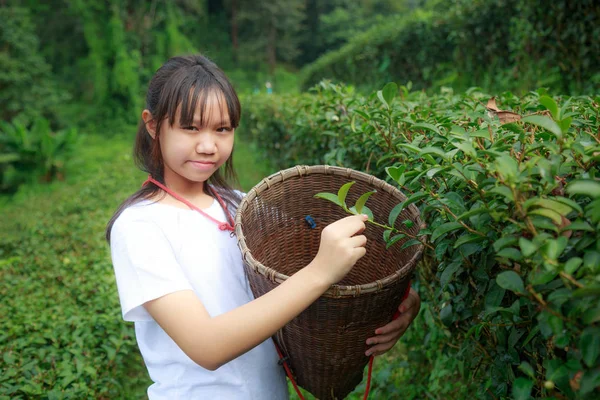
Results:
x,y
159,249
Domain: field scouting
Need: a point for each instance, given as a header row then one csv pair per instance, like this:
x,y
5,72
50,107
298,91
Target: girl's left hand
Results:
x,y
388,335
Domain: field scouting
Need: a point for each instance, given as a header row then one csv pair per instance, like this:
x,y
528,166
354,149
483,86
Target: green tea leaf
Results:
x,y
445,228
362,200
511,253
503,242
510,280
527,247
570,203
551,105
544,122
395,172
578,226
584,187
468,238
389,92
409,243
394,240
527,369
395,213
382,99
589,344
504,191
522,388
343,192
559,207
544,212
329,196
426,126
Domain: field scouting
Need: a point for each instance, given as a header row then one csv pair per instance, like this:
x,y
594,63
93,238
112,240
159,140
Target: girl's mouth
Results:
x,y
203,165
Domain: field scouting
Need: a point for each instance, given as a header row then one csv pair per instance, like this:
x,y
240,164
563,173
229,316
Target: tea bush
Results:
x,y
511,274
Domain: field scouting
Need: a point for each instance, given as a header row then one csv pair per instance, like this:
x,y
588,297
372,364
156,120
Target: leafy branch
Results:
x,y
360,208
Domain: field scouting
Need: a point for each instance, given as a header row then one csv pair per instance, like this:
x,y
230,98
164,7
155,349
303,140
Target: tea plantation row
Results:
x,y
511,275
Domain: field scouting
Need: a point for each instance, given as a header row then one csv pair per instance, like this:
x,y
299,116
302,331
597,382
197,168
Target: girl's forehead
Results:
x,y
209,108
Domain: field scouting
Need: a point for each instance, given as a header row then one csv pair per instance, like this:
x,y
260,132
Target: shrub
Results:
x,y
35,152
511,275
504,44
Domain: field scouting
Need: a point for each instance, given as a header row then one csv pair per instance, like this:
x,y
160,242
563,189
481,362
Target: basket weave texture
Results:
x,y
326,342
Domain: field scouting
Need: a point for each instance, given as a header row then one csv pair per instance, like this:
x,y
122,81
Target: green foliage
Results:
x,y
27,89
33,153
64,336
512,211
503,45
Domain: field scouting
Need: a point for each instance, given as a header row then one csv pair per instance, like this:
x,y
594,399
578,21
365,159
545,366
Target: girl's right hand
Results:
x,y
340,249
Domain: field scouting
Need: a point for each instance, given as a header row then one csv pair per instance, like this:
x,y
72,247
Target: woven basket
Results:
x,y
326,342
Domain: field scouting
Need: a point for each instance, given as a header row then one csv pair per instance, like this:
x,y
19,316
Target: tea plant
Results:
x,y
511,277
360,208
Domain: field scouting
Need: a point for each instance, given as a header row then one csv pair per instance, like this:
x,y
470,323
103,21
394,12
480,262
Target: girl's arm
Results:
x,y
212,342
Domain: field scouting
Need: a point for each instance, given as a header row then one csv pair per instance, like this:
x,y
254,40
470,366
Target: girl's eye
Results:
x,y
225,129
190,128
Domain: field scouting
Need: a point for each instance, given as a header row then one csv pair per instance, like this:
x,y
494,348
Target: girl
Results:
x,y
179,271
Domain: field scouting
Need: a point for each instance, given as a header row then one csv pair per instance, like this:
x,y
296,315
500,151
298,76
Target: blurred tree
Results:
x,y
269,31
27,88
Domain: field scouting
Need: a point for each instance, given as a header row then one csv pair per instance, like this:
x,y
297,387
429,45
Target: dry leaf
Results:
x,y
505,117
491,105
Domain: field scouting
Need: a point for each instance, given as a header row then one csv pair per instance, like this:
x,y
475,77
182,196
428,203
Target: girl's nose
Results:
x,y
206,144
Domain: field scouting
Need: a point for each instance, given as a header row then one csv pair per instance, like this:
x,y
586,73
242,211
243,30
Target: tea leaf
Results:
x,y
589,344
544,122
362,200
584,187
329,196
409,243
389,92
559,207
395,172
544,212
550,104
394,240
527,247
468,238
522,389
445,228
395,213
424,125
343,192
510,280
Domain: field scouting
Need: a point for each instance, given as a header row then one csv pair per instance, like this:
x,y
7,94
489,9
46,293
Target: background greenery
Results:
x,y
72,81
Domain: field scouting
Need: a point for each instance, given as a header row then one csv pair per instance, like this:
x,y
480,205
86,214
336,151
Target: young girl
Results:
x,y
179,271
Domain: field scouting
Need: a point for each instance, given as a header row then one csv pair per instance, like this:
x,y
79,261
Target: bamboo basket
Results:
x,y
325,344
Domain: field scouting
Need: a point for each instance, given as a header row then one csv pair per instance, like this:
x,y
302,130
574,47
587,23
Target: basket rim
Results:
x,y
334,290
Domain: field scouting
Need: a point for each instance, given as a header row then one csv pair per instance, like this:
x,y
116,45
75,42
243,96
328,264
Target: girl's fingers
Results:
x,y
410,301
390,337
398,324
379,349
358,241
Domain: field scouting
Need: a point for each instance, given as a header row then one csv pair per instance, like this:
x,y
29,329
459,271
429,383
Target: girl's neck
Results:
x,y
194,192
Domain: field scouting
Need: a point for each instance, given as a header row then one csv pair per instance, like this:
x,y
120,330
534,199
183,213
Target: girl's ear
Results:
x,y
150,123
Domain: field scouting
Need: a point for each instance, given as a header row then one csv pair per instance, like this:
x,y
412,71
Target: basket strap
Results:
x,y
282,359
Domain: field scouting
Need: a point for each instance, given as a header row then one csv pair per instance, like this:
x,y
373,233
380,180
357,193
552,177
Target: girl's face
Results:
x,y
192,153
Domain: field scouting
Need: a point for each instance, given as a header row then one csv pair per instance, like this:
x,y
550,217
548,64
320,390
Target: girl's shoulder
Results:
x,y
143,213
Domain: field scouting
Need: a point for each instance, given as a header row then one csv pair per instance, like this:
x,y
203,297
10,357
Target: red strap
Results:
x,y
368,386
224,226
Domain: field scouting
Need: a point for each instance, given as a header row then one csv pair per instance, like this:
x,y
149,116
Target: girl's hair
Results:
x,y
181,82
